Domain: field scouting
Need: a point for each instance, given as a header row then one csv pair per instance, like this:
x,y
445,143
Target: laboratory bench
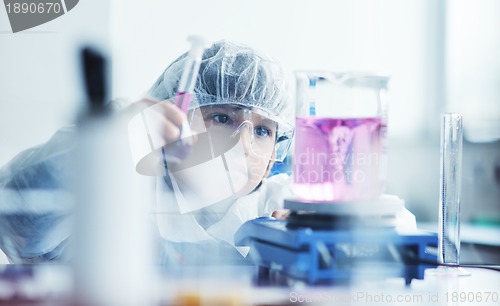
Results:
x,y
52,284
245,284
480,244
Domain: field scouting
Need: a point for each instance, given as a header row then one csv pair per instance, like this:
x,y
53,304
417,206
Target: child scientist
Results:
x,y
239,115
240,122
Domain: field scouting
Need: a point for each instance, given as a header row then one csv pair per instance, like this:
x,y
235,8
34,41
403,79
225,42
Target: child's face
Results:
x,y
243,140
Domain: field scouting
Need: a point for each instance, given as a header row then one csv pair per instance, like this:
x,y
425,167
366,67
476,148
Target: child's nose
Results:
x,y
246,139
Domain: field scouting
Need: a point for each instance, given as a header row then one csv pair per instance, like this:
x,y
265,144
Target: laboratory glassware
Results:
x,y
180,149
340,145
451,147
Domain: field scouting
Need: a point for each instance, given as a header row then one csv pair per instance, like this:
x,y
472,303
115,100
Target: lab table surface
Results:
x,y
480,244
236,285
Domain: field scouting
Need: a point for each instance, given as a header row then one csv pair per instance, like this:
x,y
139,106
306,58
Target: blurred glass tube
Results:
x,y
450,186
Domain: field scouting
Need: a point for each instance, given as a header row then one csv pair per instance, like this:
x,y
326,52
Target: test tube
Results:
x,y
190,72
180,149
450,186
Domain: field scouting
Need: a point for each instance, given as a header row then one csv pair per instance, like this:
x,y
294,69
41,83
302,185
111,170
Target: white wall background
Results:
x,y
39,74
473,65
380,36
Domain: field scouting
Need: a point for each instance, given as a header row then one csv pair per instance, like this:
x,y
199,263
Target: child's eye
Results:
x,y
262,131
221,118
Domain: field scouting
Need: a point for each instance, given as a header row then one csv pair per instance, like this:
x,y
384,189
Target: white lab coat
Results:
x,y
220,221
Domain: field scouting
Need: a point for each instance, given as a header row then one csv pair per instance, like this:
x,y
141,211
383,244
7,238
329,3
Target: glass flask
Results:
x,y
340,144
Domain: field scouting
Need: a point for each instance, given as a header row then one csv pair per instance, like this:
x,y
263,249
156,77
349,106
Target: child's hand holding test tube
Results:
x,y
165,123
178,150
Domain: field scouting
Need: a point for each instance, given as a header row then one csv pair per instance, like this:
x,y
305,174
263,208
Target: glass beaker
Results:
x,y
340,142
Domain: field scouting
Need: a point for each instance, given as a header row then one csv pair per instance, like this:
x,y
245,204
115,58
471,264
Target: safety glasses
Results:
x,y
264,135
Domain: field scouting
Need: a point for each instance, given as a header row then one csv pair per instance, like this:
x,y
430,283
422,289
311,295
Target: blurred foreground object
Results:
x,y
113,264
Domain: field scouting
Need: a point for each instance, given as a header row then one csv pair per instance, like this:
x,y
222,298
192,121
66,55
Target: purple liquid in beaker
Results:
x,y
339,159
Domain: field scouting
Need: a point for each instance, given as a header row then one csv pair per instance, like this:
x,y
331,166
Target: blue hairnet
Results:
x,y
231,73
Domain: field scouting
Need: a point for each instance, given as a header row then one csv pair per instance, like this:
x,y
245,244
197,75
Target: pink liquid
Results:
x,y
182,101
339,159
179,150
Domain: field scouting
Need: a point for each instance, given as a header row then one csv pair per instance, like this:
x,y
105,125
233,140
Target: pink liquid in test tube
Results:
x,y
181,148
182,101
